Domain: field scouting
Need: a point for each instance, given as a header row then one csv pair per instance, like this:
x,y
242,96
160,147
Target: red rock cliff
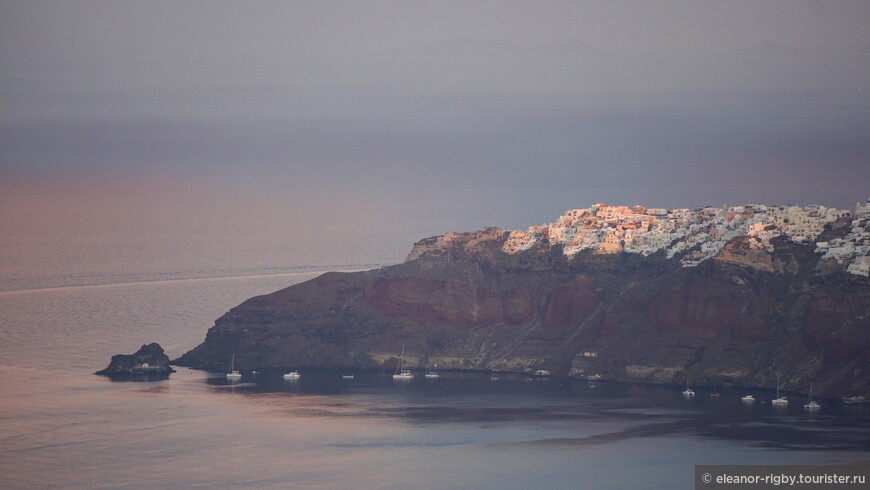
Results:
x,y
744,318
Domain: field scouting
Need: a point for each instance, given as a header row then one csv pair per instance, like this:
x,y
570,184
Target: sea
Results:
x,y
67,305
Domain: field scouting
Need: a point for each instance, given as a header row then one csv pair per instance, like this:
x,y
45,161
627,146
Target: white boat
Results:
x,y
779,401
811,405
401,371
292,375
346,376
748,399
233,374
542,372
430,373
688,391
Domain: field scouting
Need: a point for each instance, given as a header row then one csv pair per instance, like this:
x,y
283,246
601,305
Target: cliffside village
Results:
x,y
701,232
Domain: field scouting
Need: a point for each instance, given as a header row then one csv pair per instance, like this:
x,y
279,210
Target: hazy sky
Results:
x,y
464,113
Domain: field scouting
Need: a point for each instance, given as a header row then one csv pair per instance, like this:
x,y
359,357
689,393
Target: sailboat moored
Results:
x,y
779,401
430,373
401,371
811,404
233,375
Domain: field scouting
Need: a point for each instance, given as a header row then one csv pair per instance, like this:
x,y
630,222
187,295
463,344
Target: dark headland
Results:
x,y
735,295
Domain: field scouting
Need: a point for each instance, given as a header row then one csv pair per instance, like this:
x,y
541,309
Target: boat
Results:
x,y
688,391
346,376
292,375
542,372
716,393
401,371
748,398
430,373
145,369
811,405
854,400
233,374
779,401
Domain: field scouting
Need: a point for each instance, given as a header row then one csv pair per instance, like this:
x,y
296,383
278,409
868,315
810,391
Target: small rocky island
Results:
x,y
149,363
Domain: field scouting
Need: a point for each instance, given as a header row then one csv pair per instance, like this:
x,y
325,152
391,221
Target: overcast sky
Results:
x,y
513,111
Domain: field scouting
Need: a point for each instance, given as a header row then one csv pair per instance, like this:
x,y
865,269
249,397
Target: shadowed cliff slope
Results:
x,y
742,319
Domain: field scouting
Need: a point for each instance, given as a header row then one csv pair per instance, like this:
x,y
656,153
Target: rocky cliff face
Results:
x,y
463,301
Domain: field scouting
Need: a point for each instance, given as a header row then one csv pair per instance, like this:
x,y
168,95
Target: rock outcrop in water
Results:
x,y
742,311
147,364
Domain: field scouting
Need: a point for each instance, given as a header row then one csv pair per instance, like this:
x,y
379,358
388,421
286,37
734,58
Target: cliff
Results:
x,y
147,364
756,307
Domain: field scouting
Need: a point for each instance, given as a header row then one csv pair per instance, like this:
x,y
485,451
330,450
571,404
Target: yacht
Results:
x,y
430,373
688,391
292,375
811,405
346,376
779,401
748,398
401,371
233,375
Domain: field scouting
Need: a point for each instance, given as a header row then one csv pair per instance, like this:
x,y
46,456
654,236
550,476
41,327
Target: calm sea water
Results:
x,y
60,426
